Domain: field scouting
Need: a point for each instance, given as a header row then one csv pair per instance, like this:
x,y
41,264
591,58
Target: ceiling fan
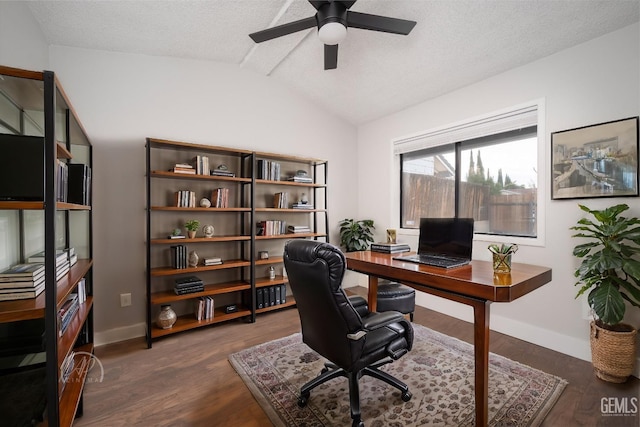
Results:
x,y
332,19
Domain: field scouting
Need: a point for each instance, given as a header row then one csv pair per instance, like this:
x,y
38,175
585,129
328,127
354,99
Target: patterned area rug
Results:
x,y
439,372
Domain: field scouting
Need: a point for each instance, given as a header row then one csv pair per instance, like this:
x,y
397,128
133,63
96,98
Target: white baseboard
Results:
x,y
119,334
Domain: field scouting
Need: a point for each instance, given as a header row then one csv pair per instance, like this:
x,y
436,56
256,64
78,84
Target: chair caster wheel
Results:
x,y
357,423
324,370
302,400
406,396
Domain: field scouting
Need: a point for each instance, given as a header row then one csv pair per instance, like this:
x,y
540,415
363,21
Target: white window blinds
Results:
x,y
518,118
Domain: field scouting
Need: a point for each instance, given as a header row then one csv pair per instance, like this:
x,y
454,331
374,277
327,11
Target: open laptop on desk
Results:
x,y
443,242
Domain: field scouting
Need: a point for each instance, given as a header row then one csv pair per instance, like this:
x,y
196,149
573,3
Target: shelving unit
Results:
x,y
235,281
232,241
43,111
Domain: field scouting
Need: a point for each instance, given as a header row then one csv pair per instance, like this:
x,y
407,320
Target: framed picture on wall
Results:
x,y
598,160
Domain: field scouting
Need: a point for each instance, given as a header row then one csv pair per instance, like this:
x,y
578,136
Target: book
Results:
x,y
23,270
298,229
10,283
61,257
302,206
189,290
32,293
187,281
390,248
304,179
180,236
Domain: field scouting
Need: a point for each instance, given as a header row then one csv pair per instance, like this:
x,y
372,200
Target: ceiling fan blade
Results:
x,y
283,30
379,23
330,56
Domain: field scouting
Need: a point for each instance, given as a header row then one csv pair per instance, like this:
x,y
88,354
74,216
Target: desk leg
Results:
x,y
481,352
372,297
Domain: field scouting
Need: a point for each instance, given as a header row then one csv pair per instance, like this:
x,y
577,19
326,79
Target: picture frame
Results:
x,y
599,160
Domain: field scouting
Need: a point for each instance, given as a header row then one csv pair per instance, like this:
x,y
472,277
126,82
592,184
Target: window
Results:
x,y
487,170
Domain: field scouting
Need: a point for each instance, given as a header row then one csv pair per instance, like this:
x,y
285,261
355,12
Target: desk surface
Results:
x,y
474,280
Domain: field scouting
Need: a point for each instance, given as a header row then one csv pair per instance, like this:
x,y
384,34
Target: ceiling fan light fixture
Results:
x,y
332,33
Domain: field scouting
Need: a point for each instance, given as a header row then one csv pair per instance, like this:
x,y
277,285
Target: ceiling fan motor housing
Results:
x,y
333,11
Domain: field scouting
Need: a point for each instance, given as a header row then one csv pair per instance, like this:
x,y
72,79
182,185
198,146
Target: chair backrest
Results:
x,y
315,270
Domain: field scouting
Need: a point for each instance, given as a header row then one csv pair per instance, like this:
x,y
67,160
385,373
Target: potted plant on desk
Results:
x,y
356,235
192,227
610,271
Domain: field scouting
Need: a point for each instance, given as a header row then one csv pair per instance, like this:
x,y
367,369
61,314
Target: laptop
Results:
x,y
443,242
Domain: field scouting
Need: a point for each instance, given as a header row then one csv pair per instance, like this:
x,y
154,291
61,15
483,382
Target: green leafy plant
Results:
x,y
609,262
503,248
192,225
356,235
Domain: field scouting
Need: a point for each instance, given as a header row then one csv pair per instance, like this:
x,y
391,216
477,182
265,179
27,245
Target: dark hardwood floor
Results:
x,y
186,379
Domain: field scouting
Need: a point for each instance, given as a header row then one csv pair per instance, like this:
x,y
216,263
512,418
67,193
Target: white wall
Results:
x,y
594,82
22,44
122,98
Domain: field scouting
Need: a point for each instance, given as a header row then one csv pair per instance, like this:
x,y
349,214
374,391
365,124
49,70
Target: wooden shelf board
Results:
x,y
189,321
200,240
168,271
70,397
262,282
62,151
271,260
179,145
174,175
67,340
175,208
215,289
33,308
290,183
39,205
291,236
286,158
290,303
289,210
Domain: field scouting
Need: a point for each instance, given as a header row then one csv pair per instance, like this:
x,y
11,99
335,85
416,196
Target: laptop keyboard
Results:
x,y
434,260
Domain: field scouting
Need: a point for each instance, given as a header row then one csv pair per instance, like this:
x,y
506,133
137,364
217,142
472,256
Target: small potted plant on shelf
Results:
x,y
192,226
356,235
610,271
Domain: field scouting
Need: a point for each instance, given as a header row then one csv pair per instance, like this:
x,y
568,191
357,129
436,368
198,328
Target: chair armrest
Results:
x,y
379,320
360,304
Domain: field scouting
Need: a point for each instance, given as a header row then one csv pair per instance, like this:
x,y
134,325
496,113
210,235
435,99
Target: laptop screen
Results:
x,y
446,236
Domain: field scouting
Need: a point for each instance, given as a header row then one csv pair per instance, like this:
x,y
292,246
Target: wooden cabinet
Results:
x,y
36,107
174,193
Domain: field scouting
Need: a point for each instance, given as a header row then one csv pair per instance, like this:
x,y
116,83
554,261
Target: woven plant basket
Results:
x,y
613,353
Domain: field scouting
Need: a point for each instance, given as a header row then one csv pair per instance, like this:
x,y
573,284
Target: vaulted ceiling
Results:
x,y
455,42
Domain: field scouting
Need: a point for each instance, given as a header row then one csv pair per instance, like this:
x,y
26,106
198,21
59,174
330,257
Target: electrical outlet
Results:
x,y
125,300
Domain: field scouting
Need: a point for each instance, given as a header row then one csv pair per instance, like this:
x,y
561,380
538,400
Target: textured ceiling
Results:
x,y
455,42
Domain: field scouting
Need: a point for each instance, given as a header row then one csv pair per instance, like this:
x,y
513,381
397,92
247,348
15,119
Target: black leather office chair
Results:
x,y
341,329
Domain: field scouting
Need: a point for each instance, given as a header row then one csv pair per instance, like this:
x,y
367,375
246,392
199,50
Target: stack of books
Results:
x,y
183,168
64,260
185,199
201,165
22,281
302,206
390,248
220,198
178,256
212,261
281,200
298,229
301,178
204,308
188,285
222,171
67,311
269,170
271,228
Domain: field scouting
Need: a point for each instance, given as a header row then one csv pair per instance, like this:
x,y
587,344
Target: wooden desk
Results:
x,y
474,285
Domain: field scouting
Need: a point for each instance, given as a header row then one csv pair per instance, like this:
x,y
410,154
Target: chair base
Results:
x,y
331,371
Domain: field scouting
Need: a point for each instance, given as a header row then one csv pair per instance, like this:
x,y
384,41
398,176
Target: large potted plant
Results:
x,y
610,271
355,235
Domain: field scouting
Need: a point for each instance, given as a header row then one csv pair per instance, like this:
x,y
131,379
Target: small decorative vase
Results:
x,y
205,203
208,230
193,259
167,317
304,199
502,263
